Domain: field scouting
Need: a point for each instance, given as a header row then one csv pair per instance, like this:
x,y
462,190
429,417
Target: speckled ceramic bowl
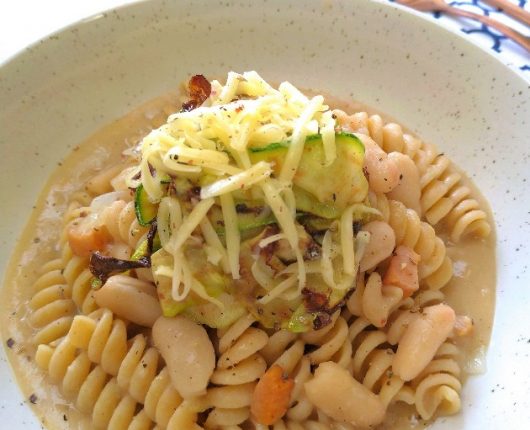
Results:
x,y
62,89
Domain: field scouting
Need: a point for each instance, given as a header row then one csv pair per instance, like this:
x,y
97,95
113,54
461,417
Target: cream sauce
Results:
x,y
472,292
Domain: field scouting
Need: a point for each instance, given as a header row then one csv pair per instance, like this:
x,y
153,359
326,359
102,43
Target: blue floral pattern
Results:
x,y
512,54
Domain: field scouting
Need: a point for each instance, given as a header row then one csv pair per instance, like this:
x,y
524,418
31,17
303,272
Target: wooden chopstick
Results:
x,y
509,8
442,6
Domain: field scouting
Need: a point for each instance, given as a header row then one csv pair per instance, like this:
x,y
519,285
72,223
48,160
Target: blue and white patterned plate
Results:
x,y
508,51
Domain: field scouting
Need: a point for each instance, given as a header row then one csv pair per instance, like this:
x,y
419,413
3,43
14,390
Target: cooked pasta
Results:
x,y
443,196
435,267
96,363
258,261
52,308
438,387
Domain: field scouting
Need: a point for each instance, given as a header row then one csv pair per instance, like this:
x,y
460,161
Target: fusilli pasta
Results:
x,y
96,365
270,275
443,196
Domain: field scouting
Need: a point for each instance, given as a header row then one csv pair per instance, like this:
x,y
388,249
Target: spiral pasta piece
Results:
x,y
443,197
371,363
97,366
105,181
52,305
428,298
120,220
238,368
52,308
435,267
79,279
77,208
330,342
380,202
373,300
287,350
437,387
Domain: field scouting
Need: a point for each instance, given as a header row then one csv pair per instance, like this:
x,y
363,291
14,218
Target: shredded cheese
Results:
x,y
228,92
278,290
262,274
361,242
189,224
169,218
294,153
326,260
212,239
271,239
200,157
328,138
346,241
287,224
180,284
210,145
244,180
231,232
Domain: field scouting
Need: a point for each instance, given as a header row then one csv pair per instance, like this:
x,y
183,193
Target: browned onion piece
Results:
x,y
199,89
102,266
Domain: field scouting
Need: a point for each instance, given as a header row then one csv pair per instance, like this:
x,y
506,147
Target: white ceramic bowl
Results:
x,y
57,92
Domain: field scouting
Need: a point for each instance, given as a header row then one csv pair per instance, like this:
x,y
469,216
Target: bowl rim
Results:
x,y
16,57
426,16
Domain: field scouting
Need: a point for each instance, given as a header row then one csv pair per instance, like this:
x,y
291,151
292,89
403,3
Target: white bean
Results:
x,y
131,299
408,189
422,339
339,395
188,353
381,245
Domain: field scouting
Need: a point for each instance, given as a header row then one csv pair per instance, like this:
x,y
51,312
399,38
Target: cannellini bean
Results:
x,y
188,353
422,339
131,299
408,189
383,172
339,395
381,245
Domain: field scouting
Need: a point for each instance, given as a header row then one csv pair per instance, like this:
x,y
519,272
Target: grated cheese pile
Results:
x,y
213,141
